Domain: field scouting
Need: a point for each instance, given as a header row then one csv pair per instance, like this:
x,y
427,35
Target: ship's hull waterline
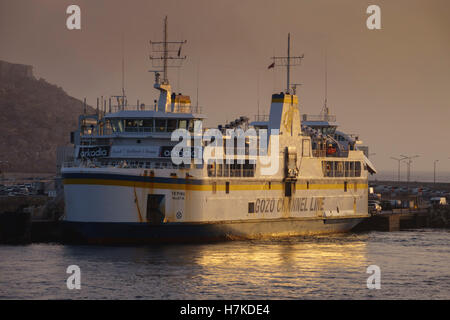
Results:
x,y
106,208
140,233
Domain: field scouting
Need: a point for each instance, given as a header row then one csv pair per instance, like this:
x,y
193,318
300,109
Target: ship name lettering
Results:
x,y
294,205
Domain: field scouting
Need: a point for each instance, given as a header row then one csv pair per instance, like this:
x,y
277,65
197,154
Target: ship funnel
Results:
x,y
285,115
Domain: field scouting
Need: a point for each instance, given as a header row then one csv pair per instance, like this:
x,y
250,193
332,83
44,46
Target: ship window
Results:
x,y
182,124
148,125
131,125
160,125
248,169
120,126
226,170
357,169
191,126
219,170
171,125
211,170
235,170
339,167
351,169
227,187
329,169
117,125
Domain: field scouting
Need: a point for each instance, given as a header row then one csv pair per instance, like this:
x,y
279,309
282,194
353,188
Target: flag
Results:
x,y
272,65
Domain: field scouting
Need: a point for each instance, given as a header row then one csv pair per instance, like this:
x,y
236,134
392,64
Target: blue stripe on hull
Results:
x,y
137,178
141,233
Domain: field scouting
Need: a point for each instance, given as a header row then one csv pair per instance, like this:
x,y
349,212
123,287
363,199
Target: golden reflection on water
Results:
x,y
314,255
283,263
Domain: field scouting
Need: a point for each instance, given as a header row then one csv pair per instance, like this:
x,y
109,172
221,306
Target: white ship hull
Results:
x,y
108,206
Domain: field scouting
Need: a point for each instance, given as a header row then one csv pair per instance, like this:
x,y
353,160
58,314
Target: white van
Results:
x,y
438,201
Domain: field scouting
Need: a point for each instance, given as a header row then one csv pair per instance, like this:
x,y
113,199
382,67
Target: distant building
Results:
x,y
14,71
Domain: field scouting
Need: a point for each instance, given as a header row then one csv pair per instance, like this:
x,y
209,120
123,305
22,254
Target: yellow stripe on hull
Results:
x,y
209,187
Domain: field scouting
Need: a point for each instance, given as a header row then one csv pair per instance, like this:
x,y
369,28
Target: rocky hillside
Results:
x,y
35,118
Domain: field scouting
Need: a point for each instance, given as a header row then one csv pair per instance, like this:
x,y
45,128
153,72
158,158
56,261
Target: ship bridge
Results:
x,y
132,121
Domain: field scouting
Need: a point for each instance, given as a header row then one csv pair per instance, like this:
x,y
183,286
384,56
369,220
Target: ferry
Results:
x,y
123,185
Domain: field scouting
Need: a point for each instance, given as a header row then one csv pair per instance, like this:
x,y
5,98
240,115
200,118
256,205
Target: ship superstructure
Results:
x,y
124,185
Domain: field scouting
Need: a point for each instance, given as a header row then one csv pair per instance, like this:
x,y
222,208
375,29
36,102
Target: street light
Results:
x,y
408,173
399,160
435,161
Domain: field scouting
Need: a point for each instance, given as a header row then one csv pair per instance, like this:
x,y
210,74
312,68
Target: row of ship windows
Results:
x,y
231,170
146,165
152,125
341,168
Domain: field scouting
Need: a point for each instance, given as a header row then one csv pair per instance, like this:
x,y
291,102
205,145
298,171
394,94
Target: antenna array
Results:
x,y
287,62
162,51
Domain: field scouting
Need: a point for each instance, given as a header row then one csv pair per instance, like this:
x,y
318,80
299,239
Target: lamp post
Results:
x,y
399,160
408,174
5,164
434,180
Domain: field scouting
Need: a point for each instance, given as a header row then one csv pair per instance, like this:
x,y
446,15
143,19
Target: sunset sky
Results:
x,y
391,86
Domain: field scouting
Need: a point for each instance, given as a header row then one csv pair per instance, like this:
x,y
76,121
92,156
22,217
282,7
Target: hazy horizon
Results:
x,y
391,86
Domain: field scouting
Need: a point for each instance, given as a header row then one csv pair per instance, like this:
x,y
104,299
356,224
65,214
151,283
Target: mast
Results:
x,y
288,65
166,54
325,107
123,71
287,62
162,57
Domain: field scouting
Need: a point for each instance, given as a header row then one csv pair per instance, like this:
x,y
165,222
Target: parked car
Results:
x,y
374,206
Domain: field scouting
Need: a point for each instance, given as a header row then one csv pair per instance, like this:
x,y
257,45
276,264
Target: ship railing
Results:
x,y
139,130
323,153
261,117
68,164
143,107
319,153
